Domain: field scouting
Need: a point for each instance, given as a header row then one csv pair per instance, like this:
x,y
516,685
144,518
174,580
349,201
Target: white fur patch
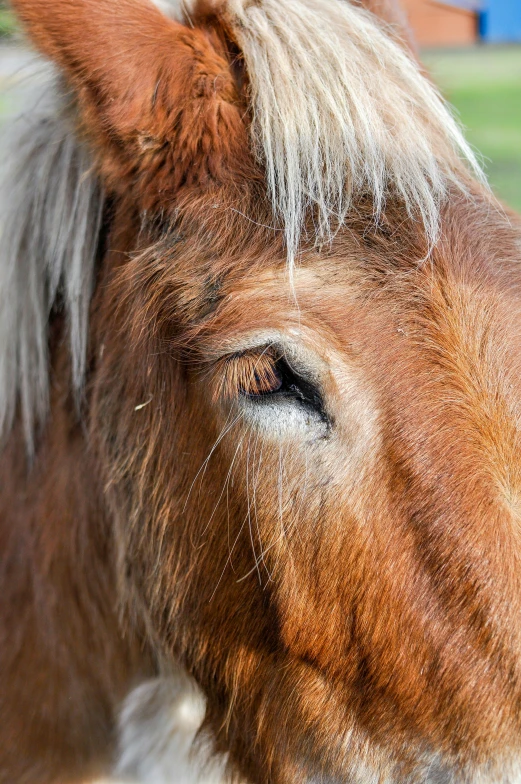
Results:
x,y
158,725
173,8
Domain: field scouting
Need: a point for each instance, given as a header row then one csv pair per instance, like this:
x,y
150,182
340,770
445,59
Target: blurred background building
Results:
x,y
464,22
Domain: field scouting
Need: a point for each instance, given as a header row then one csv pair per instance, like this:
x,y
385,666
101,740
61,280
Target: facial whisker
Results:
x,y
226,429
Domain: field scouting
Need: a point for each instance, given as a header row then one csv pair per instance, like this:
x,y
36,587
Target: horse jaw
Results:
x,y
159,744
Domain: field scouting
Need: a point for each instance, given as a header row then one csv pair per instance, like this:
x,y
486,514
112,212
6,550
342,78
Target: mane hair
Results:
x,y
50,216
340,110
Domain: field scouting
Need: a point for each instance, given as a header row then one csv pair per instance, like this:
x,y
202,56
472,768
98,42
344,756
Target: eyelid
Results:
x,y
300,355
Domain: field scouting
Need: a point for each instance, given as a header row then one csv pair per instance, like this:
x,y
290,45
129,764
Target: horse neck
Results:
x,y
62,648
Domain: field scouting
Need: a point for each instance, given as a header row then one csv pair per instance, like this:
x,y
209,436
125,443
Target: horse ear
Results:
x,y
150,90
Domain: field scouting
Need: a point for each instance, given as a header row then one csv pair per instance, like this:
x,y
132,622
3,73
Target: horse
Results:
x,y
260,384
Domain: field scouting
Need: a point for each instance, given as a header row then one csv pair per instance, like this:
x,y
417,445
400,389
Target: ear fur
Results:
x,y
157,98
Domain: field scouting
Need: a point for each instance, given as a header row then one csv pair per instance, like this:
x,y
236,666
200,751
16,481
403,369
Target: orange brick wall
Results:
x,y
436,24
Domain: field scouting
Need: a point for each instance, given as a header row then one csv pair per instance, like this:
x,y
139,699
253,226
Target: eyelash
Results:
x,y
251,373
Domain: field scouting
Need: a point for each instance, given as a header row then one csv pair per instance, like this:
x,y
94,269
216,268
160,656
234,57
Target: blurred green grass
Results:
x,y
7,22
484,86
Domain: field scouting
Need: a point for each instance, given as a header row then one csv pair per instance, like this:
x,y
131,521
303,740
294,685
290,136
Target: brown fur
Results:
x,y
380,626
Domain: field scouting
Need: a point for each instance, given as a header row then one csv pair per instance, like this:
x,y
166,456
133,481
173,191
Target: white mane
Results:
x,y
50,218
340,110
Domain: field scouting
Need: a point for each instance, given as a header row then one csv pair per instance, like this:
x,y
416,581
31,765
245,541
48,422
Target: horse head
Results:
x,y
301,390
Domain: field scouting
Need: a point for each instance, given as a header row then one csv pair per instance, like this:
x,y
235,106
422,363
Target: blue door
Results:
x,y
501,21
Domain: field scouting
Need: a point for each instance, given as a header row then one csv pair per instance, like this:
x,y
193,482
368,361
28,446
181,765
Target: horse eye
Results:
x,y
293,385
261,374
